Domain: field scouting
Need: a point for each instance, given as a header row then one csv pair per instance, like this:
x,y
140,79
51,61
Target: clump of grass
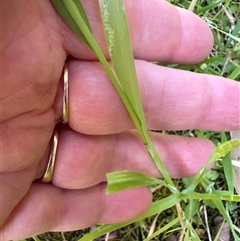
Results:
x,y
191,219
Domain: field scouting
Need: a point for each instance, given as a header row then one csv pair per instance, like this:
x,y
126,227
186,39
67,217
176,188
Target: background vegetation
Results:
x,y
224,19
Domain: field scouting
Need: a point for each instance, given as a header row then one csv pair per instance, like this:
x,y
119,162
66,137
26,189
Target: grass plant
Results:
x,y
182,208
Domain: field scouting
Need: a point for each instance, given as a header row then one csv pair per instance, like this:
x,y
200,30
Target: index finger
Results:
x,y
159,31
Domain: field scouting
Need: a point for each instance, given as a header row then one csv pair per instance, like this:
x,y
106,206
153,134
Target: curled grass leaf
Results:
x,y
219,152
122,180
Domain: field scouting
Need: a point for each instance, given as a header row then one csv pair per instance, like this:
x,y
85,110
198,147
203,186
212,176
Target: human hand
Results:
x,y
98,138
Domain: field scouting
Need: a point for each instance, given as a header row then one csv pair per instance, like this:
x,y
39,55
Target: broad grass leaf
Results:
x,y
122,180
191,208
120,51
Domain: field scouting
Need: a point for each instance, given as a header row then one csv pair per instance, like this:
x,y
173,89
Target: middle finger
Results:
x,y
172,100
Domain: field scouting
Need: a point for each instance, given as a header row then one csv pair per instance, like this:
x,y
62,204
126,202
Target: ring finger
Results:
x,y
83,160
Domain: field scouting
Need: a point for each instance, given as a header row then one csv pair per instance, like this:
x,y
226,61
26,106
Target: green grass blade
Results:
x,y
122,180
235,32
187,235
235,38
66,15
235,74
36,238
192,232
217,194
156,207
191,208
82,12
218,203
208,7
163,229
227,168
219,232
236,229
120,51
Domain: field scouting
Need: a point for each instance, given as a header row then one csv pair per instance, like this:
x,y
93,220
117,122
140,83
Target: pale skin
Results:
x,y
98,139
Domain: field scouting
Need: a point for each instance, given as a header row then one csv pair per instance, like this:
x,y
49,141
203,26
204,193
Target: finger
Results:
x,y
83,161
48,208
172,100
183,39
